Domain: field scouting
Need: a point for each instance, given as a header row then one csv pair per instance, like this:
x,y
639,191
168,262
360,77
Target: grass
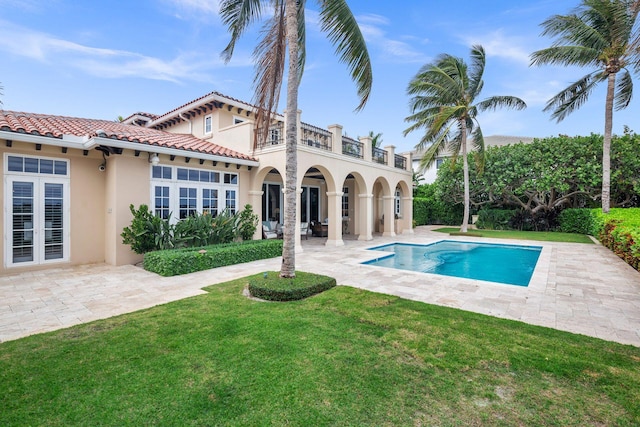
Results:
x,y
343,357
549,236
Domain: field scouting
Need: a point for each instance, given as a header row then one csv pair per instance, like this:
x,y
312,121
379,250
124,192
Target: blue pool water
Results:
x,y
509,264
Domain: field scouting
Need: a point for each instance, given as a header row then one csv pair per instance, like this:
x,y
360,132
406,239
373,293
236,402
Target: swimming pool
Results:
x,y
508,264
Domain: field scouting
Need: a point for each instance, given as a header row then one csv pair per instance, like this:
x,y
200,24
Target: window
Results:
x,y
439,163
188,202
237,120
397,204
345,201
230,202
37,217
185,191
210,201
207,124
272,202
274,136
310,204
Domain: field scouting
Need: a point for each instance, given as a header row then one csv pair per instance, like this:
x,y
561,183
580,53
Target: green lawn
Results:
x,y
344,357
549,236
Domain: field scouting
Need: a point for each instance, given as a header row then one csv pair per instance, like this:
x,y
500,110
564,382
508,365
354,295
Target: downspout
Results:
x,y
187,120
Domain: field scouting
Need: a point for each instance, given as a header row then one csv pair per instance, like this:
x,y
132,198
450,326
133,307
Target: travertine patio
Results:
x,y
579,288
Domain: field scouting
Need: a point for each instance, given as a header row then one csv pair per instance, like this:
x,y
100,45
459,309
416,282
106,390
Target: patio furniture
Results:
x,y
319,229
269,230
304,230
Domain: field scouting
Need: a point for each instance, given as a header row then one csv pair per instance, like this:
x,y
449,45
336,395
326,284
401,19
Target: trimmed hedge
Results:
x,y
271,287
578,221
619,230
174,262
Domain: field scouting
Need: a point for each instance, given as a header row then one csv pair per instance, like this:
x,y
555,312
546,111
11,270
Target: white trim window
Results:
x,y
37,220
178,192
398,204
208,124
345,202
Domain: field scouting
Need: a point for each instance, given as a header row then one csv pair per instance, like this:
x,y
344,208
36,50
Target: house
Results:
x,y
68,182
429,175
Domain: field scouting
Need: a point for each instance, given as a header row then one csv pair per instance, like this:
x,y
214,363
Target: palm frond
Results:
x,y
237,15
344,33
572,97
624,89
565,55
478,149
478,61
269,58
496,102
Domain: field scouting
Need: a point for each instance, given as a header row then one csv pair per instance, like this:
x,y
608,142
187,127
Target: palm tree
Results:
x,y
376,139
443,104
284,34
598,34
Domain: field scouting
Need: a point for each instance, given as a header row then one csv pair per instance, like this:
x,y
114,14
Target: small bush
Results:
x,y
182,261
271,287
248,223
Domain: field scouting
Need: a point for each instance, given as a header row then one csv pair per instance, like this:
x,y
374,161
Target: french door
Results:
x,y
37,221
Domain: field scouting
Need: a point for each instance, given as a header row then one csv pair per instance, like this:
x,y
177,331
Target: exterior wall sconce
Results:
x,y
154,159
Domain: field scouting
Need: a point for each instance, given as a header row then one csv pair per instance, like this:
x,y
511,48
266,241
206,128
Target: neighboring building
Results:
x,y
68,182
429,176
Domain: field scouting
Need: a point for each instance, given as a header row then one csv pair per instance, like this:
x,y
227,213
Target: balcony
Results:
x,y
275,136
379,155
353,148
400,162
315,137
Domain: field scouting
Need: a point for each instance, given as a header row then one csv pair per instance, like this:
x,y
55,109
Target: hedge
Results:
x,y
619,230
271,287
495,219
174,262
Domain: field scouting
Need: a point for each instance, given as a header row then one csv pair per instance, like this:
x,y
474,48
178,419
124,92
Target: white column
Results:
x,y
298,217
334,201
389,215
407,215
365,217
336,138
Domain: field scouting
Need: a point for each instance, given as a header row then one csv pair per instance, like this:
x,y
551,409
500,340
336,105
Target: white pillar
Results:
x,y
255,198
336,138
365,217
334,202
389,215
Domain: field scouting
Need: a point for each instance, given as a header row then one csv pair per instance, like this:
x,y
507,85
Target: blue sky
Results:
x,y
102,59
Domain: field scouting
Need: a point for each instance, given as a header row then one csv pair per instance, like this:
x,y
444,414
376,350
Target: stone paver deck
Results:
x,y
579,288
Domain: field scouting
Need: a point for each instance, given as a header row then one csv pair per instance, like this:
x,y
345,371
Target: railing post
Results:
x,y
366,146
391,155
336,138
409,158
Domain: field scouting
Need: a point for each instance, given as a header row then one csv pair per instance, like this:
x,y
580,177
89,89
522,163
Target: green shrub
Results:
x,y
247,223
188,260
147,231
577,221
270,286
495,219
620,231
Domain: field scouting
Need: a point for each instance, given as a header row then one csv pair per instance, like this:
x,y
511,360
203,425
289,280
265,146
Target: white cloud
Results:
x,y
107,63
210,7
497,44
372,28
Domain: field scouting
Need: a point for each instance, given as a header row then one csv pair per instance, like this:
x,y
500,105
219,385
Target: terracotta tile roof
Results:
x,y
57,126
213,94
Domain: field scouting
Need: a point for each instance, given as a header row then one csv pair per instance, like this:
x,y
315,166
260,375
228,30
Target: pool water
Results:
x,y
508,264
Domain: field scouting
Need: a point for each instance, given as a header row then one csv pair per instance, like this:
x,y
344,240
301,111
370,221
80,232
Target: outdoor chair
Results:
x,y
304,230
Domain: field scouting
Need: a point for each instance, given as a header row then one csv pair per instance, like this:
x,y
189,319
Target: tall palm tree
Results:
x,y
444,104
376,139
284,34
597,34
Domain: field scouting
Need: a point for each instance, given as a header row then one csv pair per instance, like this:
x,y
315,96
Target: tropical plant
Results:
x,y
598,34
284,36
443,104
247,223
376,139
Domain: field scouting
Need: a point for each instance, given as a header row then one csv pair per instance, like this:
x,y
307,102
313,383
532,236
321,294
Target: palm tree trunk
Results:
x,y
288,268
465,174
606,144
